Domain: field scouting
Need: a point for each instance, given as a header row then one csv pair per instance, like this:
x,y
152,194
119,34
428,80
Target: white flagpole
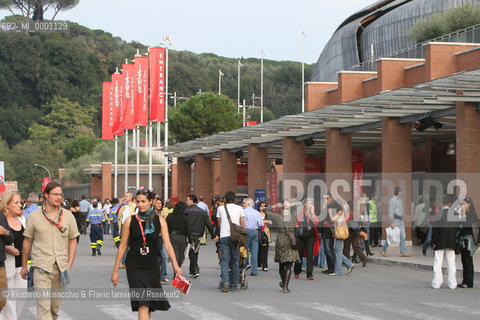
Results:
x,y
150,138
167,42
126,161
138,157
115,175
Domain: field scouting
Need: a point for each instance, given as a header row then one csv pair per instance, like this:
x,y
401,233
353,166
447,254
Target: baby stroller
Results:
x,y
243,267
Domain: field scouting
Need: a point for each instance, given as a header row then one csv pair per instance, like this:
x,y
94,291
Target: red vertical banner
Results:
x,y
357,169
116,100
157,84
141,91
313,165
45,181
128,71
107,112
357,181
242,174
273,188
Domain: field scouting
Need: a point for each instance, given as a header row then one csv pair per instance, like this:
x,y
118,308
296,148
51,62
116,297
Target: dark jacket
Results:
x,y
444,231
198,220
467,225
178,224
4,240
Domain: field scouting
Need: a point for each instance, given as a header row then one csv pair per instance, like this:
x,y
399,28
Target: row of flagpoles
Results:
x,y
126,106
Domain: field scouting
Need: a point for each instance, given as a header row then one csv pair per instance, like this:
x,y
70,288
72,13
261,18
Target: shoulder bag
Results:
x,y
341,230
299,231
238,234
294,242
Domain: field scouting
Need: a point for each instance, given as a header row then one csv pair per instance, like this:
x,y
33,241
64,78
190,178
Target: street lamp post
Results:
x,y
39,165
220,74
261,89
303,75
167,42
238,86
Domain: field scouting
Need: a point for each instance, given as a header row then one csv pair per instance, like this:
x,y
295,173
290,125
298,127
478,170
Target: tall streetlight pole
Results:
x,y
220,74
261,88
49,175
303,75
238,86
167,42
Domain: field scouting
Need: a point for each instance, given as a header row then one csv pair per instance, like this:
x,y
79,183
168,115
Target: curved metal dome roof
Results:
x,y
383,25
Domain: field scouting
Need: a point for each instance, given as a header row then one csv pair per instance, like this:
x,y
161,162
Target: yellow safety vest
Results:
x,y
373,211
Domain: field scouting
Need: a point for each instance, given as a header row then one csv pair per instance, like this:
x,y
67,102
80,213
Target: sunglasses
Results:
x,y
142,191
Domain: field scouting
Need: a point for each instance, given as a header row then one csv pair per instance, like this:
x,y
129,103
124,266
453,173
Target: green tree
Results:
x,y
79,146
102,152
254,115
446,22
35,9
28,152
203,115
6,157
68,118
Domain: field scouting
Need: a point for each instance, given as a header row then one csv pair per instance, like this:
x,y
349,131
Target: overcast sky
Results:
x,y
223,27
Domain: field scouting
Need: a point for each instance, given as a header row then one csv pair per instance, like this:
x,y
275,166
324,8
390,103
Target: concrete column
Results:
x,y
107,181
228,172
203,180
397,168
338,156
293,167
257,169
468,148
181,179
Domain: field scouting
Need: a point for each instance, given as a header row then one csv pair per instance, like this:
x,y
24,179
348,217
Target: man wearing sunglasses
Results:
x,y
51,235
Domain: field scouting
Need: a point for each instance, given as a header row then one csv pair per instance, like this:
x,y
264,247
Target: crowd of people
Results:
x,y
39,238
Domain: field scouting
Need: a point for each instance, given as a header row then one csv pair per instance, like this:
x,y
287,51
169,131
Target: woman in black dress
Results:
x,y
141,232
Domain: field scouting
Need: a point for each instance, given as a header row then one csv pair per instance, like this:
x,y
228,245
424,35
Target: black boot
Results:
x,y
367,248
354,258
98,250
94,251
288,273
282,276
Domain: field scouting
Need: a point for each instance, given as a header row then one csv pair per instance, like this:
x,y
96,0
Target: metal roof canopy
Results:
x,y
436,97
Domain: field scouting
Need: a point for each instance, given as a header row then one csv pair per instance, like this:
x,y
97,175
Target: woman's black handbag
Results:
x,y
354,227
294,242
458,242
262,237
299,232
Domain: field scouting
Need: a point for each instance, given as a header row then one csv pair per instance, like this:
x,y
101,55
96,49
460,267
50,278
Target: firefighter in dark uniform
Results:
x,y
113,217
95,218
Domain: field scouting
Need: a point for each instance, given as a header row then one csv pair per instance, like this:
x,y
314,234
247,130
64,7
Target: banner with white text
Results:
x,y
141,91
157,84
107,112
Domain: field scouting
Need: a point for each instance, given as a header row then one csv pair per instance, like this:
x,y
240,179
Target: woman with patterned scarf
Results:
x,y
141,232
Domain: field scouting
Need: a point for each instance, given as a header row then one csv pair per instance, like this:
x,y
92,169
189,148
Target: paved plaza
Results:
x,y
389,288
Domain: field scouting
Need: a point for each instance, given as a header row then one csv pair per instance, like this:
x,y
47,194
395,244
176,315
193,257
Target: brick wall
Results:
x,y
316,94
228,172
257,169
468,148
203,180
350,84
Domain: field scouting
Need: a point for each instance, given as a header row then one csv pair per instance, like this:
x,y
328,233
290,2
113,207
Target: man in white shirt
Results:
x,y
230,254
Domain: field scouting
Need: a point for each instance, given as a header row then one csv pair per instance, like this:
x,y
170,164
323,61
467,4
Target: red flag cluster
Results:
x,y
125,98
